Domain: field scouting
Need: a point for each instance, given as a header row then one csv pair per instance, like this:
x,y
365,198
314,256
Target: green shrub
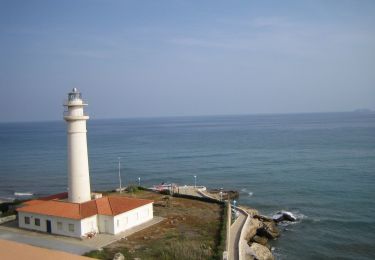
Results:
x,y
132,189
165,192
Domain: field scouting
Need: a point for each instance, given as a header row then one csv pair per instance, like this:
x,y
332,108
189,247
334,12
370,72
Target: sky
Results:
x,y
183,58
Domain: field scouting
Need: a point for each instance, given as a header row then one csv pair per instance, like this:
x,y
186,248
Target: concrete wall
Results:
x,y
62,229
242,243
132,218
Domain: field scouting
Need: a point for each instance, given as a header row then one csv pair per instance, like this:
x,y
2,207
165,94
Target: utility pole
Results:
x,y
119,172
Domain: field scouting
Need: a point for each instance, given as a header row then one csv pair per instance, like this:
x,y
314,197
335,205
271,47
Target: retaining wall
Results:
x,y
7,219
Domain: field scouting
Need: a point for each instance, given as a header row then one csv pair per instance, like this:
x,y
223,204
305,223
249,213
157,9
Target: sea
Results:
x,y
319,166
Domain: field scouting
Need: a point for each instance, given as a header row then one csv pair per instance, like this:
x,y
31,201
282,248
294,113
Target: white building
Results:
x,y
74,213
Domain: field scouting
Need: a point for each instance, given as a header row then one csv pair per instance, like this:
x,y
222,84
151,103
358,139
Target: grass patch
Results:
x,y
191,230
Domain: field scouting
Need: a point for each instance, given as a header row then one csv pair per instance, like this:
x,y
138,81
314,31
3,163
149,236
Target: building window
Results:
x,y
27,220
59,225
71,227
37,222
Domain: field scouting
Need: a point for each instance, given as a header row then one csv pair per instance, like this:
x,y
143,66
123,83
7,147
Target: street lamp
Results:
x,y
139,181
195,181
221,196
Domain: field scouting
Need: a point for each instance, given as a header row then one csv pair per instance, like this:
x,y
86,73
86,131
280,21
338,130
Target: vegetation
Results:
x,y
9,208
132,189
223,232
191,229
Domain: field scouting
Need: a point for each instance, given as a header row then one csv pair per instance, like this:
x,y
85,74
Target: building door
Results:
x,y
48,223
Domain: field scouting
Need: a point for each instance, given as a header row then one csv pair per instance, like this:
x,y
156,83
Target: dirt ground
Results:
x,y
190,231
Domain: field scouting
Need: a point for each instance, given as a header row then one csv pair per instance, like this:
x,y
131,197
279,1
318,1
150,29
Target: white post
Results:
x,y
139,181
195,181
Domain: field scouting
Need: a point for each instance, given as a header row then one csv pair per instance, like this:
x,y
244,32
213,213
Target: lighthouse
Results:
x,y
78,164
74,213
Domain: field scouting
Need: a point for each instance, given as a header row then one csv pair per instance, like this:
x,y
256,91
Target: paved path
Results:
x,y
235,232
189,190
67,244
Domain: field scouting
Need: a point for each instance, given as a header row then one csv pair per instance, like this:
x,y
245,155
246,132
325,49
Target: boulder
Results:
x,y
118,256
284,216
260,240
268,230
254,225
260,252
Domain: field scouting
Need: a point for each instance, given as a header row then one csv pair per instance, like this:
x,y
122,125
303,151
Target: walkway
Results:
x,y
235,232
189,190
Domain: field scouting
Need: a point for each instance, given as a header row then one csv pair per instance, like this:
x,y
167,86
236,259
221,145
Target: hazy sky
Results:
x,y
170,58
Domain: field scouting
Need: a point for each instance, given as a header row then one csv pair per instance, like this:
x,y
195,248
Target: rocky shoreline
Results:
x,y
260,231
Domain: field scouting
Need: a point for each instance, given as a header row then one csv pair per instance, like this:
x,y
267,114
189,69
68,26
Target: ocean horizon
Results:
x,y
320,166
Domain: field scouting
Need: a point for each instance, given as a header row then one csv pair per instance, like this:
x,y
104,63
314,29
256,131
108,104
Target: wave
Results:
x,y
297,214
20,194
249,193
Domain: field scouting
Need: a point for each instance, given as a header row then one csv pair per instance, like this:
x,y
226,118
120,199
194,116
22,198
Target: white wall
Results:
x,y
89,225
132,218
54,226
105,224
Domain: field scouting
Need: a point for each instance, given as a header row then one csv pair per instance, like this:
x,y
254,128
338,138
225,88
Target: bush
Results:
x,y
165,192
132,189
8,208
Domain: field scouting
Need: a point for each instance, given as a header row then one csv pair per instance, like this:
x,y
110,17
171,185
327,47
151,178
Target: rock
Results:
x,y
249,257
118,256
284,216
268,230
260,240
260,252
250,211
262,218
254,225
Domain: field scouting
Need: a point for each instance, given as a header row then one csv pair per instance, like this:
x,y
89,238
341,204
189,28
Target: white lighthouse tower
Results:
x,y
78,164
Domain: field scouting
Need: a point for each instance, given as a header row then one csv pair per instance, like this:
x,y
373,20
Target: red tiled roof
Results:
x,y
123,204
110,206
